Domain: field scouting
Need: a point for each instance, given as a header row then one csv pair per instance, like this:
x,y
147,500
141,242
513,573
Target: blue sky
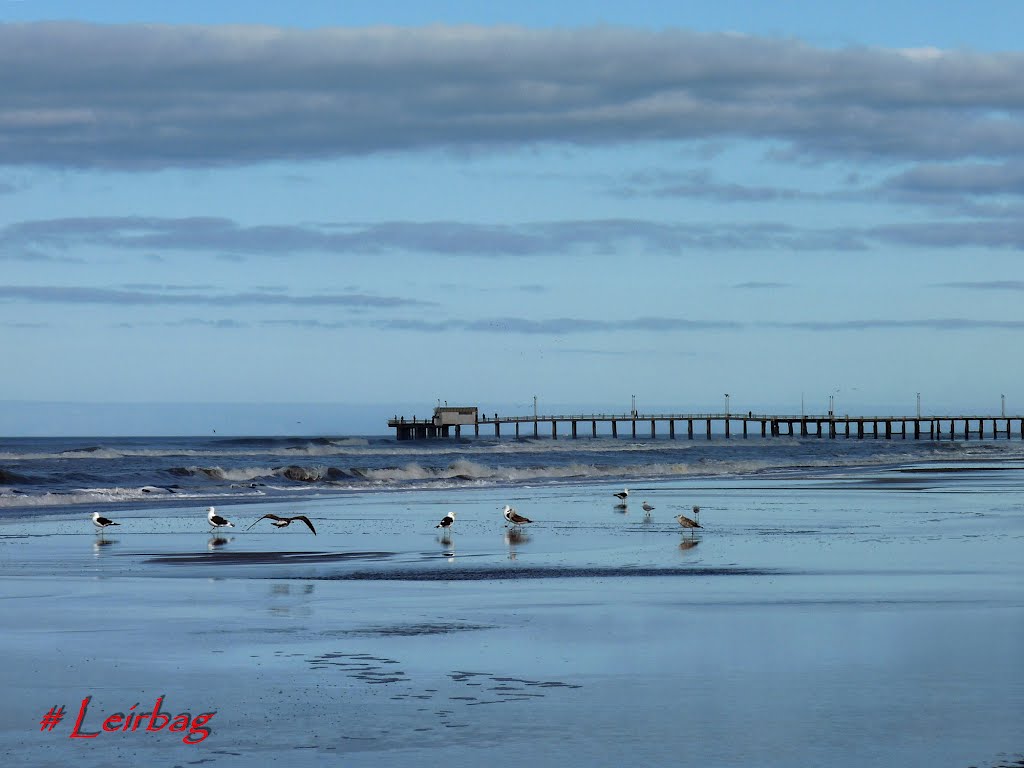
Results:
x,y
253,215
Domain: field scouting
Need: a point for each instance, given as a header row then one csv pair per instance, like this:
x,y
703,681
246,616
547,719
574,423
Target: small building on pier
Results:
x,y
439,425
445,416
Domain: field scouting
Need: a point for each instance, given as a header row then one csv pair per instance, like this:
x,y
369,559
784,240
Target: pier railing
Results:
x,y
931,427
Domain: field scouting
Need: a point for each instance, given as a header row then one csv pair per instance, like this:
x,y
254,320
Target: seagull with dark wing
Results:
x,y
446,521
216,521
284,522
686,522
514,517
101,522
622,495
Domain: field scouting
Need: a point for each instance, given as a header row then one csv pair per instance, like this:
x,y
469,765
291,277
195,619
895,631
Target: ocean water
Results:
x,y
46,475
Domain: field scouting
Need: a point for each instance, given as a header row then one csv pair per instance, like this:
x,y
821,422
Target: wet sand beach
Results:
x,y
845,621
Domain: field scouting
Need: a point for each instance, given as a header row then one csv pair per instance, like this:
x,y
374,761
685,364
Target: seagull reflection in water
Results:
x,y
514,536
216,542
99,543
447,548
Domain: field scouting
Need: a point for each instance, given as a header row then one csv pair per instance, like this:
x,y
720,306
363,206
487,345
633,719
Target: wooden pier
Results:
x,y
728,425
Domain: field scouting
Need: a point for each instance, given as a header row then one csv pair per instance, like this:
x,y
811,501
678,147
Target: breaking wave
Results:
x,y
55,472
13,478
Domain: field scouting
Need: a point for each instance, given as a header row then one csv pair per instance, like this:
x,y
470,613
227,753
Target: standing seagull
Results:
x,y
216,521
101,522
284,522
648,508
446,521
687,522
621,495
514,517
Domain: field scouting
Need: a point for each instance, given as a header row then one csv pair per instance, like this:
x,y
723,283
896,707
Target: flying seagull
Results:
x,y
284,522
686,522
101,522
621,495
446,521
514,517
216,521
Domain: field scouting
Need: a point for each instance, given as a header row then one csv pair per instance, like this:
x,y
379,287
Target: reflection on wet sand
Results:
x,y
514,537
280,589
686,544
290,600
99,543
218,541
447,548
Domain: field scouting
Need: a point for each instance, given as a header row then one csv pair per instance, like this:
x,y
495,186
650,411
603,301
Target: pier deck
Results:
x,y
689,425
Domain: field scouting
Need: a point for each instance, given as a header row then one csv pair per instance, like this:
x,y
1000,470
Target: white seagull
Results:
x,y
621,495
216,521
648,508
101,522
446,521
514,517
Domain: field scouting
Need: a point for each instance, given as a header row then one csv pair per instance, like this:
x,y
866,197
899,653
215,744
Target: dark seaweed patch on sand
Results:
x,y
1017,761
361,666
546,572
220,557
412,630
470,688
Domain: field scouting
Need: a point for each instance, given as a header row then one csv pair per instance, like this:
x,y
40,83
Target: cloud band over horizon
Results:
x,y
142,97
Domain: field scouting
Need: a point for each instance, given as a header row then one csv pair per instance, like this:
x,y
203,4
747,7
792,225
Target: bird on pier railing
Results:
x,y
284,522
687,522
